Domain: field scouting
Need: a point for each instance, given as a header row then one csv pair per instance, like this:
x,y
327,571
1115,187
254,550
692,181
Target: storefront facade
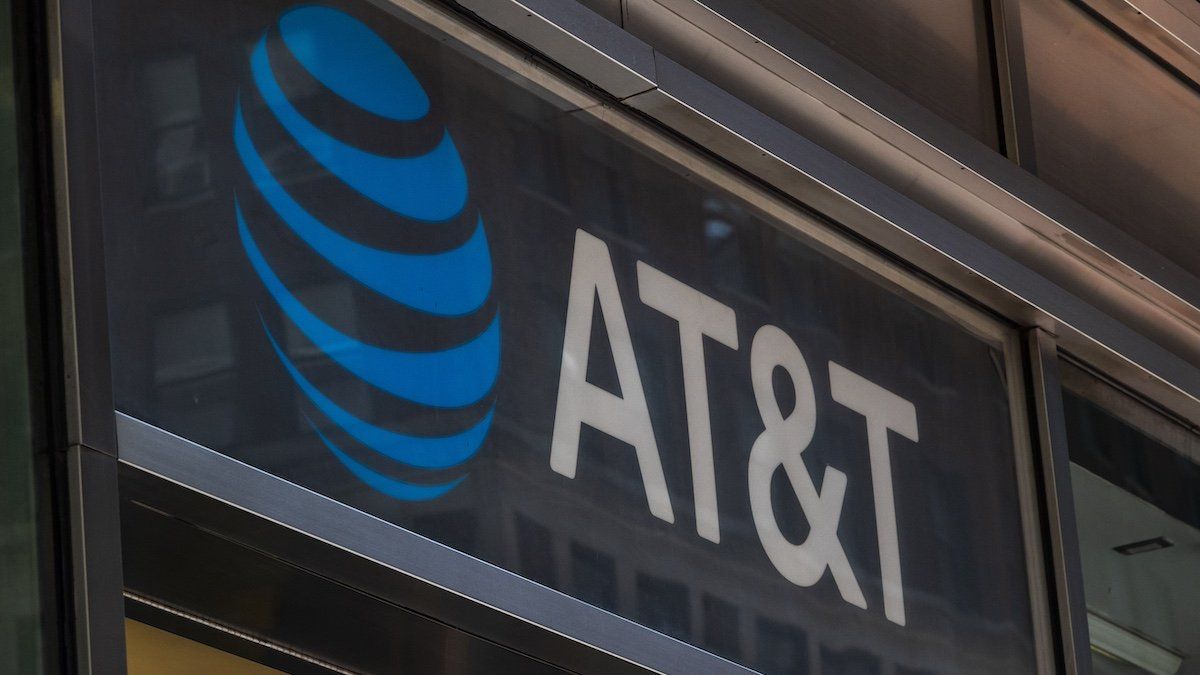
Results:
x,y
606,336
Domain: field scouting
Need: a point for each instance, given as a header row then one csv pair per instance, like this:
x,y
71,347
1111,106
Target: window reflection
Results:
x,y
334,302
782,649
664,606
594,575
602,195
722,632
733,249
537,150
457,528
848,662
180,155
535,551
191,343
1135,477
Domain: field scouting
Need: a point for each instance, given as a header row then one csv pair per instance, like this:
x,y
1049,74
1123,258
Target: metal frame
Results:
x,y
96,561
1071,613
89,438
80,239
1009,53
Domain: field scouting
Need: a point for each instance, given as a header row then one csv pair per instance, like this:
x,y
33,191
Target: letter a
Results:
x,y
624,417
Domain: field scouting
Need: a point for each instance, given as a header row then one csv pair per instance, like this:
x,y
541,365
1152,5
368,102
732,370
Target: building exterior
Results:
x,y
679,336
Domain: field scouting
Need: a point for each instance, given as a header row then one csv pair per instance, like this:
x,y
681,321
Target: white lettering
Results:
x,y
780,445
698,315
625,417
883,410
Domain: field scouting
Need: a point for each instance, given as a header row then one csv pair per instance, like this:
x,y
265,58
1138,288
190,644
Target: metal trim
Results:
x,y
1030,497
1071,613
96,562
75,141
1009,54
290,506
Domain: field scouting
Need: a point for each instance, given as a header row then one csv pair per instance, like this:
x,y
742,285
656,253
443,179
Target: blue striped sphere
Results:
x,y
393,164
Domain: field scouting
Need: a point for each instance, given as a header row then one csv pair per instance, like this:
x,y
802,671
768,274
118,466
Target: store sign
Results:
x,y
391,273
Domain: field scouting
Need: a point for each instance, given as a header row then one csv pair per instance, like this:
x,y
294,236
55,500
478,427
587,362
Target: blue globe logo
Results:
x,y
421,190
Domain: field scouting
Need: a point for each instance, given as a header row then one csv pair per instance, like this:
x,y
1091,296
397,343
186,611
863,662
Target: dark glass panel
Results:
x,y
663,606
1113,129
595,576
782,649
722,632
20,638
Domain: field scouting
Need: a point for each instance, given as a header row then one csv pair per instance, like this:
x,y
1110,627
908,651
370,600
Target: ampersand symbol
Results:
x,y
780,445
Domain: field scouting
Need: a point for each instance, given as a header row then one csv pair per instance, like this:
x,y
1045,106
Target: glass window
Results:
x,y
397,273
1113,129
1135,475
20,623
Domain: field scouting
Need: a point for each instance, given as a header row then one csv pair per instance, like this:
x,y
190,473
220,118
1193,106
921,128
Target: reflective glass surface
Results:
x,y
1135,476
361,259
1113,129
20,642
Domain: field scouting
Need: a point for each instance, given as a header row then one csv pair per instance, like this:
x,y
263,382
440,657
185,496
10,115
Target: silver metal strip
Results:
x,y
1046,386
84,307
1014,83
1032,523
246,488
96,562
